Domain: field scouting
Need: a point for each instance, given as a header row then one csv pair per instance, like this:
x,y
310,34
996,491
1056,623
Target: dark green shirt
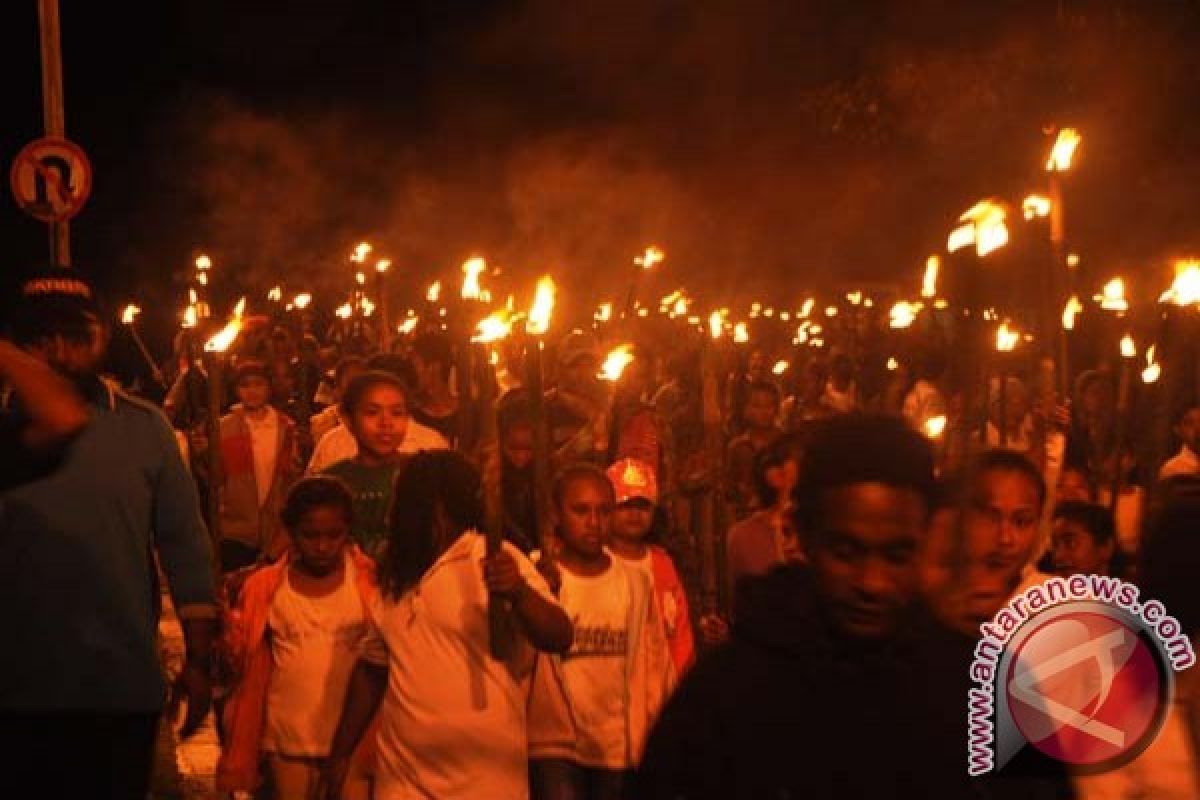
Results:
x,y
372,490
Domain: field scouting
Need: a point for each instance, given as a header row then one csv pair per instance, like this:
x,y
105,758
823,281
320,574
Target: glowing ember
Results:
x,y
361,251
740,334
1070,311
649,258
128,315
1152,371
434,292
345,311
275,295
615,363
1185,291
1063,151
935,426
1112,297
929,281
302,300
221,340
1035,205
1006,338
543,306
1128,348
203,262
472,268
780,367
493,328
903,314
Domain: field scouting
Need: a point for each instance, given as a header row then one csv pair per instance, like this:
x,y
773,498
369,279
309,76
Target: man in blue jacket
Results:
x,y
81,687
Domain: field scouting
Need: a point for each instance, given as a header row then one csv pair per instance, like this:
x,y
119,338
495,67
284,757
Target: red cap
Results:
x,y
633,480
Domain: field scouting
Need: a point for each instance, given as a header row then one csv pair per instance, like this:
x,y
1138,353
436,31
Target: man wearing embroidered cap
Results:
x,y
82,685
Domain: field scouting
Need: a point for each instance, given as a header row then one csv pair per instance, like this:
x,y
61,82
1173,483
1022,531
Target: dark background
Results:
x,y
764,145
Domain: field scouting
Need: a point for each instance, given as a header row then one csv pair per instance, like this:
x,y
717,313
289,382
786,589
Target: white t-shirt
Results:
x,y
264,440
594,669
453,719
315,642
339,445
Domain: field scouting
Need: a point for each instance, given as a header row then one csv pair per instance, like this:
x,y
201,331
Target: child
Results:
x,y
633,526
762,410
261,458
453,724
293,638
618,672
1083,540
375,409
763,541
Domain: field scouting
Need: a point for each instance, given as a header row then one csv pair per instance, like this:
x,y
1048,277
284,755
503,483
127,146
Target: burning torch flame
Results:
x,y
603,313
275,295
1153,370
1006,338
903,314
129,313
202,278
221,340
1070,310
472,268
302,300
408,326
1063,151
855,298
935,426
960,237
780,367
1112,296
360,278
990,231
361,251
893,364
543,306
203,262
368,307
1185,291
715,324
493,328
1128,348
345,311
434,292
383,265
740,334
929,282
649,258
1035,205
189,317
615,363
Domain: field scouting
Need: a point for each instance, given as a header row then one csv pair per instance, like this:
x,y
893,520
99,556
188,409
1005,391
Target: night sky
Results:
x,y
763,145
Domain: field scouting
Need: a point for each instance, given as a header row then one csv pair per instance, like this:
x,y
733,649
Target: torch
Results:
x,y
470,291
1124,398
128,317
214,354
385,306
536,327
645,262
1006,340
707,528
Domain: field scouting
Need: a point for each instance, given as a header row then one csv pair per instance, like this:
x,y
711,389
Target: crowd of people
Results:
x,y
408,587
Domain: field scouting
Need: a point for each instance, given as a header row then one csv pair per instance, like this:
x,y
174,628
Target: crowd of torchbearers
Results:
x,y
613,550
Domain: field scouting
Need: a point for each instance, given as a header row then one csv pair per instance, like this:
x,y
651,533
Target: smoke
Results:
x,y
763,146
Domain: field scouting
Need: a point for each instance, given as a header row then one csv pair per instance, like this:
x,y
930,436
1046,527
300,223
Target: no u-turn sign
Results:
x,y
51,179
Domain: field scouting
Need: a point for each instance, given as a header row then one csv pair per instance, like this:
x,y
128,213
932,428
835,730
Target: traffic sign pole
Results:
x,y
52,111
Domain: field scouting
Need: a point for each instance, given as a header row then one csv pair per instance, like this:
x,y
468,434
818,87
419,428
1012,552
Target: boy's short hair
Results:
x,y
998,460
250,367
579,471
316,491
766,387
1095,519
852,449
362,383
